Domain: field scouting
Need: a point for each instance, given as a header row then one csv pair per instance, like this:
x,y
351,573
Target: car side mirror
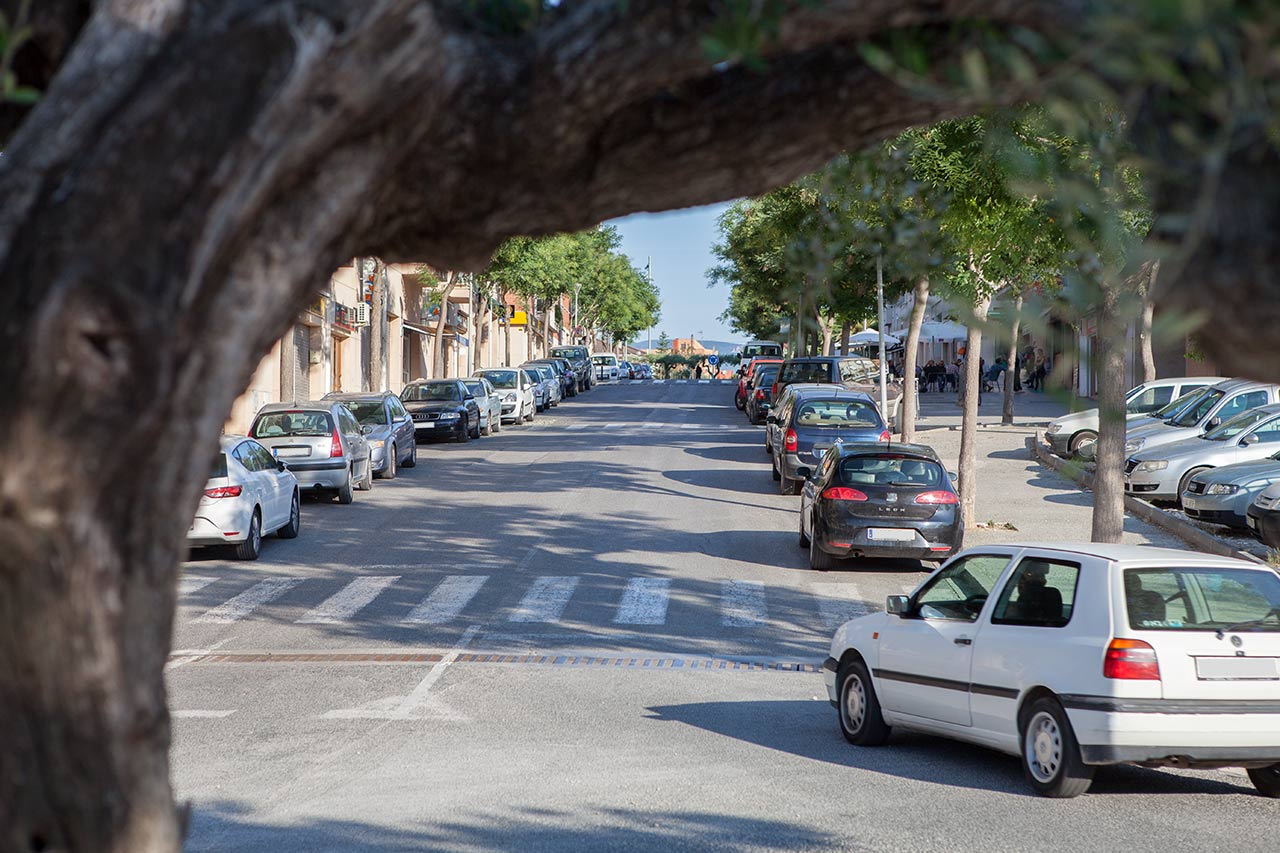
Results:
x,y
366,429
468,397
1251,438
803,472
1213,422
897,605
281,465
955,478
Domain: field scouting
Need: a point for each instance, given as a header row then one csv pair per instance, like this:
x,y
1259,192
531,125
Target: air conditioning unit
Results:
x,y
362,313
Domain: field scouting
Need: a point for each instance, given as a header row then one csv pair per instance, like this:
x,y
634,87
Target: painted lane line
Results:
x,y
742,603
349,600
447,600
839,602
691,426
614,426
644,602
705,382
545,600
235,609
653,425
200,715
192,583
577,426
411,705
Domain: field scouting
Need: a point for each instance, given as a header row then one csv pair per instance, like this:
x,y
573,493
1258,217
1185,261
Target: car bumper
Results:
x,y
1060,442
829,668
329,474
218,529
1266,525
379,459
1153,485
1196,737
1214,509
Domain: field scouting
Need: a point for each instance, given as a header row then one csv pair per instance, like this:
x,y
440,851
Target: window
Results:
x,y
1191,414
855,370
301,424
369,411
960,590
432,392
245,456
502,378
899,471
398,410
1149,399
348,421
266,462
849,414
219,467
1268,433
1242,403
1039,593
1178,599
805,371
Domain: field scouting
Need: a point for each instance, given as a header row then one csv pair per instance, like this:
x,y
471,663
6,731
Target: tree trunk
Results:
x,y
482,330
377,328
437,354
845,329
1147,293
1006,412
828,328
546,330
1108,483
911,392
969,422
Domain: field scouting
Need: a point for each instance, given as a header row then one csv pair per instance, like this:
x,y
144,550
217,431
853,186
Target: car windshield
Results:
x,y
293,423
806,371
1179,404
604,359
502,378
569,353
765,376
476,388
837,413
905,471
1194,413
370,412
1235,426
752,350
430,392
1182,599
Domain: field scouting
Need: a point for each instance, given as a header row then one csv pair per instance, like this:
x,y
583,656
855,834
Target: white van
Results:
x,y
606,364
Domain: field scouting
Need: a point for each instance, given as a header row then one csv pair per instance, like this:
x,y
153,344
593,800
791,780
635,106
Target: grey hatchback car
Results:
x,y
811,422
321,442
391,442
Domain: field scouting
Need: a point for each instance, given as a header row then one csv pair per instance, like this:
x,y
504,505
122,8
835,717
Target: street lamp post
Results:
x,y
576,287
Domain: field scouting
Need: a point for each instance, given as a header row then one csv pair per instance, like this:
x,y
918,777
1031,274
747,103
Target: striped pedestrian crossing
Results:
x,y
349,601
545,600
448,600
742,604
644,602
235,609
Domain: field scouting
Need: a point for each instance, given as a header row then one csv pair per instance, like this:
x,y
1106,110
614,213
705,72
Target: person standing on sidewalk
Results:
x,y
697,372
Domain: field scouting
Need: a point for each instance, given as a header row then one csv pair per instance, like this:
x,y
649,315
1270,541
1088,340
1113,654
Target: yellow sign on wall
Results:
x,y
519,318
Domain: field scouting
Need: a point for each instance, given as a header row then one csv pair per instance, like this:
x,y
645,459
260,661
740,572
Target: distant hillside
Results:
x,y
722,347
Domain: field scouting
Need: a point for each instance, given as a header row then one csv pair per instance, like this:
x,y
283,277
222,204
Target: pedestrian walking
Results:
x,y
697,372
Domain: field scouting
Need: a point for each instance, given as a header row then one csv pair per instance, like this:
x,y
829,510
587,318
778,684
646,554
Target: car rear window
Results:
x,y
292,423
569,353
761,349
765,376
501,378
1203,599
837,413
430,392
219,467
370,412
805,371
892,471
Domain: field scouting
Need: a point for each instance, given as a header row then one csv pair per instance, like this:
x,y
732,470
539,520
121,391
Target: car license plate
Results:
x,y
292,452
425,424
892,534
1236,669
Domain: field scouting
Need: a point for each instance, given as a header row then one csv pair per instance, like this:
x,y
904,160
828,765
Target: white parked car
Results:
x,y
606,366
249,495
1070,432
489,401
1075,656
517,390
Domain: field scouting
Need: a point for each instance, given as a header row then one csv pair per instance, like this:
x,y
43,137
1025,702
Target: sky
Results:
x,y
680,243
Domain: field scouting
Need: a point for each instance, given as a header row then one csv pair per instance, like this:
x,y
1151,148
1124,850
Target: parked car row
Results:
x,y
333,447
1214,448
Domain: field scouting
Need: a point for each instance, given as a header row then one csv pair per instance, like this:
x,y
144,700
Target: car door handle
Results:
x,y
962,641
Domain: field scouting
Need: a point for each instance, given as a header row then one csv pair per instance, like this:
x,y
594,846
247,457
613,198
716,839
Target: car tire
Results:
x,y
290,530
1186,480
1080,439
411,460
804,537
475,433
532,412
776,475
740,403
788,485
861,721
389,473
346,494
495,424
819,560
1050,754
367,483
463,434
251,547
1266,779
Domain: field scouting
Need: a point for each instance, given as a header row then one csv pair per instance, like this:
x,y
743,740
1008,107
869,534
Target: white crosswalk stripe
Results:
x,y
742,603
235,609
191,583
350,600
840,602
644,602
447,600
545,600
577,426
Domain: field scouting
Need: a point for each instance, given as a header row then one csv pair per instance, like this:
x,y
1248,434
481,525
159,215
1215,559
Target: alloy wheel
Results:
x,y
1043,747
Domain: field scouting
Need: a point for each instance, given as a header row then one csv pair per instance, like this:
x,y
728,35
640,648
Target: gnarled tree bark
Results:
x,y
910,402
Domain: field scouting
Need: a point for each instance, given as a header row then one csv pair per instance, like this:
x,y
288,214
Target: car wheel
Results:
x,y
290,530
1050,755
804,537
532,412
251,547
390,472
1266,780
861,722
486,428
495,424
475,432
367,483
1186,480
819,560
463,434
346,494
411,460
739,402
1082,438
776,475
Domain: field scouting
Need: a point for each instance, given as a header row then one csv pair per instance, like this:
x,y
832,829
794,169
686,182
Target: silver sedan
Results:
x,y
1222,495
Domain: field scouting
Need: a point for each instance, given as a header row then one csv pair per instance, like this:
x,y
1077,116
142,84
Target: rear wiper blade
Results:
x,y
1240,626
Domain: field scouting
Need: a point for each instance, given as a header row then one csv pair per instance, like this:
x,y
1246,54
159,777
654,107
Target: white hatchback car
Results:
x,y
1075,656
249,494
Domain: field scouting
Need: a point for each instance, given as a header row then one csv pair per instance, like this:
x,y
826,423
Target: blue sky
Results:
x,y
680,242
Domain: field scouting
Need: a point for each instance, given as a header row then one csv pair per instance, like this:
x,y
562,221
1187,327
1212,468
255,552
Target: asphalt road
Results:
x,y
593,633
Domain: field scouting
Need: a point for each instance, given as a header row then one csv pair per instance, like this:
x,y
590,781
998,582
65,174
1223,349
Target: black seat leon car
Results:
x,y
879,500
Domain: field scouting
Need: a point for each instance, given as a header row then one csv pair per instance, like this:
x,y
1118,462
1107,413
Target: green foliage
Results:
x,y
13,35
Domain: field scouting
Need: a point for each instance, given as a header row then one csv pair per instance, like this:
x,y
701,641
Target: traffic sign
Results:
x,y
713,360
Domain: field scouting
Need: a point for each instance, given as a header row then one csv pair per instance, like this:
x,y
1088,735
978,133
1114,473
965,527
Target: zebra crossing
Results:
x,y
673,382
642,425
742,604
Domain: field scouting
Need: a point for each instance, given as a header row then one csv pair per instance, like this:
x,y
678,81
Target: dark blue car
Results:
x,y
813,420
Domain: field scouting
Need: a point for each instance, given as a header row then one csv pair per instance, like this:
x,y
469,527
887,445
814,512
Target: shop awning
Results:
x,y
423,332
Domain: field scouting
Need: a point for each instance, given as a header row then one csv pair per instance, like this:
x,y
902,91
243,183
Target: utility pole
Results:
x,y
648,272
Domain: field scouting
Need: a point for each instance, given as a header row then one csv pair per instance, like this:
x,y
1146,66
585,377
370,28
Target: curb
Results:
x,y
1187,532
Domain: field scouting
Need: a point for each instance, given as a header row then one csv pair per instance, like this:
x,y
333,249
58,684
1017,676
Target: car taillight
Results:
x,y
843,493
223,492
1131,659
937,498
759,393
335,446
884,435
789,440
774,390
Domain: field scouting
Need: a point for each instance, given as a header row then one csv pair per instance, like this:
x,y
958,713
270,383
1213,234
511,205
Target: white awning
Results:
x,y
872,336
943,331
423,332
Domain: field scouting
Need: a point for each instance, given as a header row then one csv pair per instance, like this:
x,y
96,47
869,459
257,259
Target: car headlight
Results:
x,y
449,416
1222,489
1134,445
1054,429
1153,465
376,443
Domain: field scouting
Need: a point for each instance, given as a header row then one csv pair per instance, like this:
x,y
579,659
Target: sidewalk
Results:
x,y
1013,489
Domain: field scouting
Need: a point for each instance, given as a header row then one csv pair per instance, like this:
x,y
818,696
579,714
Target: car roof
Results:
x,y
879,448
1230,385
1134,555
432,381
833,392
301,406
1183,380
356,396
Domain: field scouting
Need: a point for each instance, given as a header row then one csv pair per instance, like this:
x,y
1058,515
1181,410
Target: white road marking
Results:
x,y
742,603
409,706
644,602
349,600
545,600
691,426
235,609
447,600
705,382
613,426
659,382
653,425
200,715
190,583
577,426
178,658
839,602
